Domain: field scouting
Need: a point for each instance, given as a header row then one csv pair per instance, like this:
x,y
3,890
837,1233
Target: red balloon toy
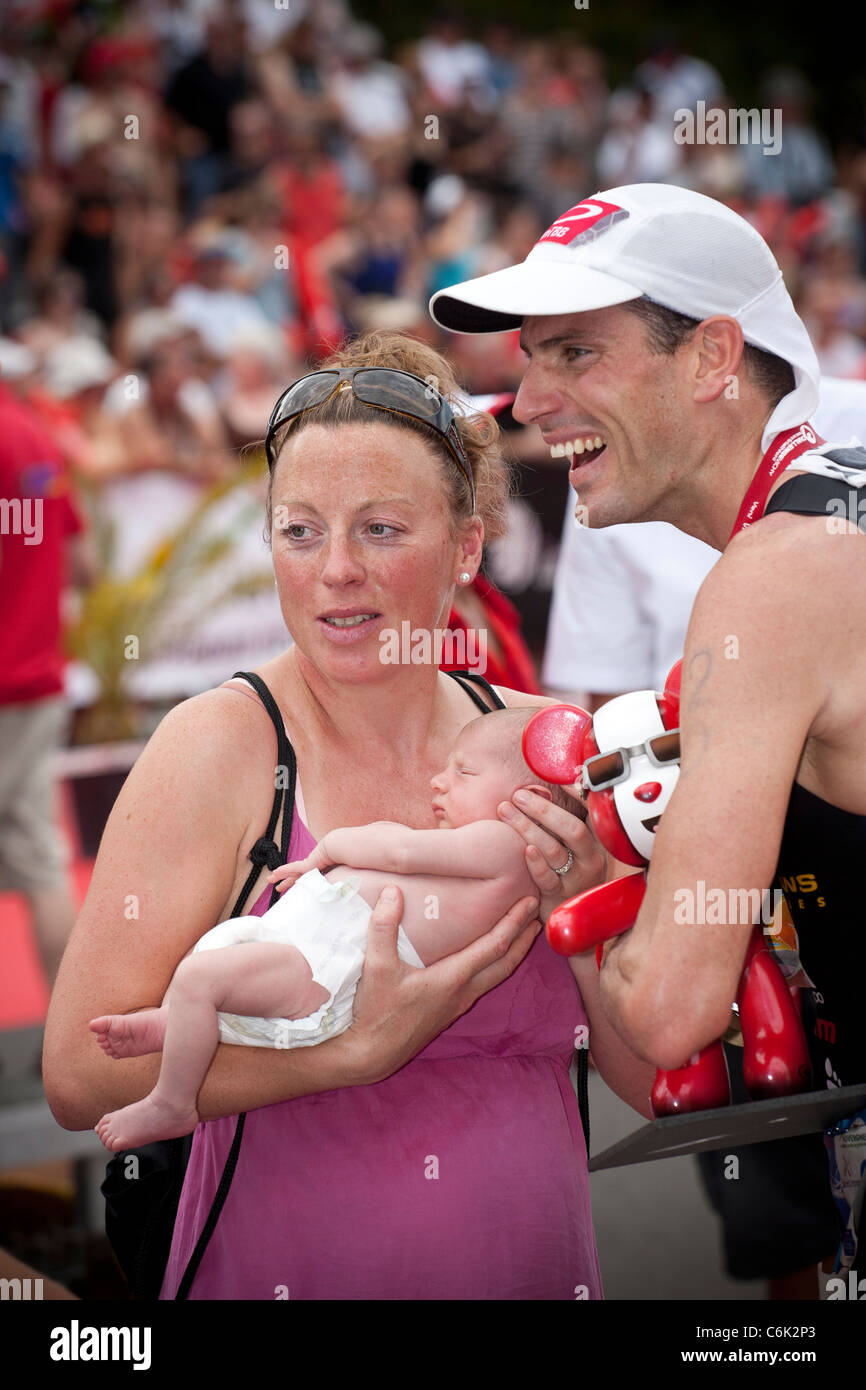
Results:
x,y
625,760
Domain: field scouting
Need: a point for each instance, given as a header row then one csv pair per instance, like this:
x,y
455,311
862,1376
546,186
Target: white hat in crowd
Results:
x,y
77,364
16,360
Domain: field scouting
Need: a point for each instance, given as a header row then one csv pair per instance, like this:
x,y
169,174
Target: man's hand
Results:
x,y
546,828
399,1008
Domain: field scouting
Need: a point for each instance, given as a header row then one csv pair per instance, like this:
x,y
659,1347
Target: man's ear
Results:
x,y
718,343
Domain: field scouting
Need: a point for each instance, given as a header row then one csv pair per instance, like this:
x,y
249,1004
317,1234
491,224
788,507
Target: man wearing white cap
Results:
x,y
640,581
667,361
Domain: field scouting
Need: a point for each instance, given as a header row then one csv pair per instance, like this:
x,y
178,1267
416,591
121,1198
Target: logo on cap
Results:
x,y
583,223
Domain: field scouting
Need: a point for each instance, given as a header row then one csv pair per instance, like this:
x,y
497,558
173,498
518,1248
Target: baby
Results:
x,y
288,978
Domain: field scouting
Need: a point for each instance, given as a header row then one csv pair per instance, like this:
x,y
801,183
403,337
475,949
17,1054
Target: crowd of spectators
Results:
x,y
199,199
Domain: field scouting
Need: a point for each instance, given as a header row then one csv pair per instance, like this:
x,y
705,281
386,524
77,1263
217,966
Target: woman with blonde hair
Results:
x,y
433,1150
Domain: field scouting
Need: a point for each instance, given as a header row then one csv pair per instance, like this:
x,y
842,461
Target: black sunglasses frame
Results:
x,y
441,420
626,755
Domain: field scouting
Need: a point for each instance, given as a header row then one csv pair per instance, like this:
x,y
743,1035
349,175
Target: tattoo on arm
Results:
x,y
700,666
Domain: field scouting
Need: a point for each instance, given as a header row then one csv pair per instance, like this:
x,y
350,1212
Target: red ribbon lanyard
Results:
x,y
786,446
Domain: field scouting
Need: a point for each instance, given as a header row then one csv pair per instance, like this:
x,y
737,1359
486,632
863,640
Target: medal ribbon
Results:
x,y
785,447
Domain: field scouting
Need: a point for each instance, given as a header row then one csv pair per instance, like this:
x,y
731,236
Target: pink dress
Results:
x,y
463,1176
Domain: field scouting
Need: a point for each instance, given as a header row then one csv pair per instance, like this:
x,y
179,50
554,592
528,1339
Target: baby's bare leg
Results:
x,y
262,979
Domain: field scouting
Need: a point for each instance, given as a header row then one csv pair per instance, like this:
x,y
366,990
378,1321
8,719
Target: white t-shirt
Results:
x,y
219,316
623,595
447,67
373,102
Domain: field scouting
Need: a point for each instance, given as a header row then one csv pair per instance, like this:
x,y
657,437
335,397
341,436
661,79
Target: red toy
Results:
x,y
625,760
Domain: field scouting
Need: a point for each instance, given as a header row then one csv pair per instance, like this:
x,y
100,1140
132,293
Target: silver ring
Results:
x,y
566,866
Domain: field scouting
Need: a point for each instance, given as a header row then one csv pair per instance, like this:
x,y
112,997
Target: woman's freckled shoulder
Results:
x,y
218,723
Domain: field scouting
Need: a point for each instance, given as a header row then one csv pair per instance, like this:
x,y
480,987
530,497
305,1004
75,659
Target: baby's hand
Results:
x,y
287,874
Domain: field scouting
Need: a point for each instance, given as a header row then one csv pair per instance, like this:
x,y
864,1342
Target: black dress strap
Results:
x,y
264,852
498,702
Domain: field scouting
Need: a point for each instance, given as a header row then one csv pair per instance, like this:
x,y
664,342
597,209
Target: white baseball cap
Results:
x,y
77,364
681,249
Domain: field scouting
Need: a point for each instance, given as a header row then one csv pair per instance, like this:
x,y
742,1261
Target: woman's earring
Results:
x,y
465,577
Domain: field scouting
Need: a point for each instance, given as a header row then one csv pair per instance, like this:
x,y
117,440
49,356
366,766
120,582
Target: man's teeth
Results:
x,y
350,622
570,447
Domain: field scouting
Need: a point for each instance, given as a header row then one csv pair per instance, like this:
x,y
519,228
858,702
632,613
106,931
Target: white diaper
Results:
x,y
327,922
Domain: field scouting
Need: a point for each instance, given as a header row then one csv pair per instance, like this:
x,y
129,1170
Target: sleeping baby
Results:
x,y
288,978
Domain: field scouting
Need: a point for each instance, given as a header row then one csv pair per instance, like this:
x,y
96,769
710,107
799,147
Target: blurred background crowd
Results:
x,y
199,199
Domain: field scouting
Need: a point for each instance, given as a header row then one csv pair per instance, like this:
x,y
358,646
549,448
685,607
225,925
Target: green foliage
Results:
x,y
148,604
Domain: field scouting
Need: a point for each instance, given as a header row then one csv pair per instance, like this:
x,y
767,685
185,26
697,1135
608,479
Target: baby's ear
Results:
x,y
540,790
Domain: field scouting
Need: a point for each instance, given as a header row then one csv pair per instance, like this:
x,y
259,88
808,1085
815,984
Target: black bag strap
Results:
x,y
583,1092
582,1054
264,852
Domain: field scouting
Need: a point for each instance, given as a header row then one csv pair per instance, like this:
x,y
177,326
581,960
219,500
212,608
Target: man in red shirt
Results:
x,y
37,517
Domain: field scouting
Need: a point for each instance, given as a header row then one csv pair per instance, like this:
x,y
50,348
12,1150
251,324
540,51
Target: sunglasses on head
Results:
x,y
385,388
606,769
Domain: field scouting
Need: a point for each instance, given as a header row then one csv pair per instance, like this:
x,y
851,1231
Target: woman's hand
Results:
x,y
400,1008
550,833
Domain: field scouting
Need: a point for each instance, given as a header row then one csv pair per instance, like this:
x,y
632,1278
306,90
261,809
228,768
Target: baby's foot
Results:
x,y
145,1121
130,1035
